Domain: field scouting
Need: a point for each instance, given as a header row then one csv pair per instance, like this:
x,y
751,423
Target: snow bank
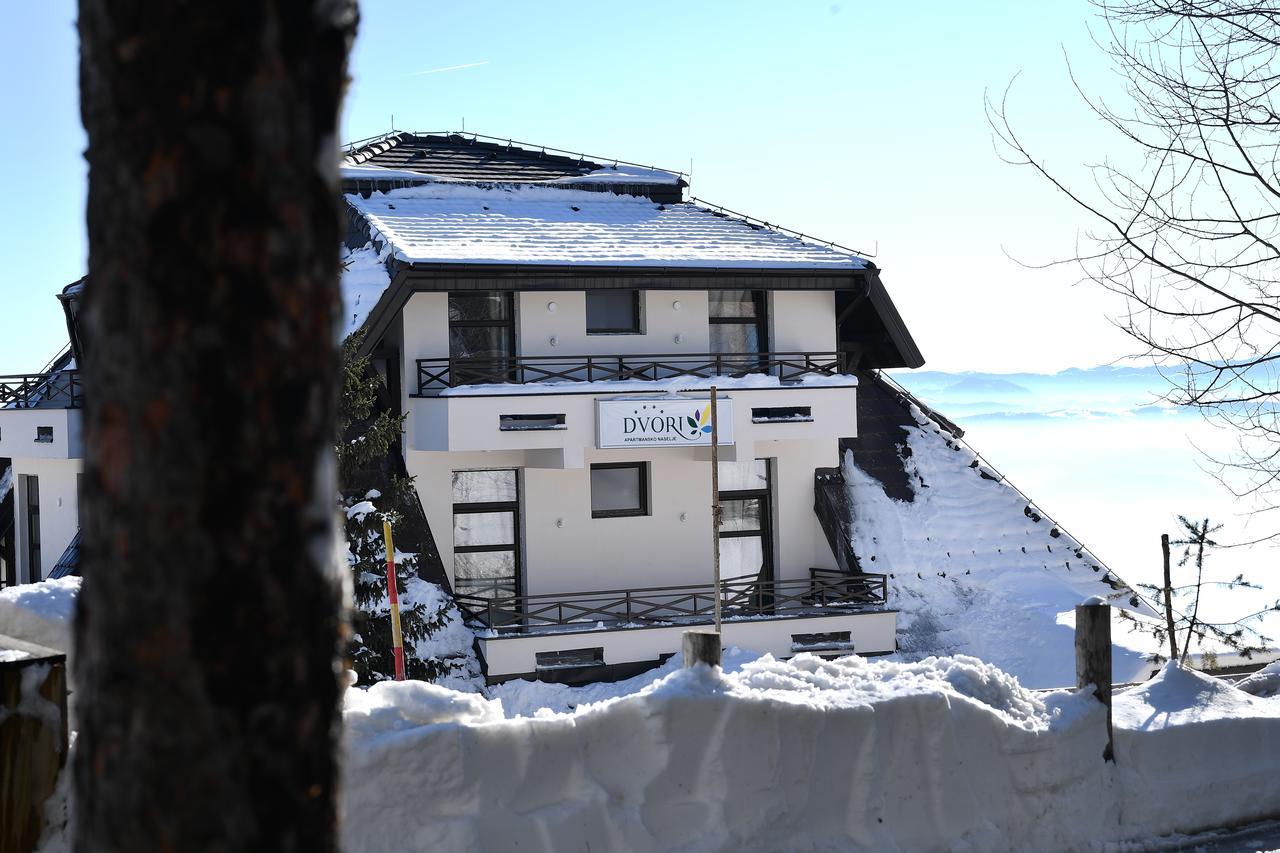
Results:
x,y
1193,751
973,569
806,754
1264,682
40,613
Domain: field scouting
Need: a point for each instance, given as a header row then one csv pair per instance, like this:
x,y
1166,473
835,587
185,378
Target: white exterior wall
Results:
x,y
802,321
870,633
565,549
661,323
59,511
18,433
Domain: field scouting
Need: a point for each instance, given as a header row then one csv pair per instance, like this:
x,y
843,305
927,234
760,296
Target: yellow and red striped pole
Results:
x,y
397,643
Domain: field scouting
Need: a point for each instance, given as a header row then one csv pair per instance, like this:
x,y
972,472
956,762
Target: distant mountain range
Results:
x,y
1094,391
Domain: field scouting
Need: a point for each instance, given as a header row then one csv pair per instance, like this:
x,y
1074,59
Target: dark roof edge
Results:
x,y
893,322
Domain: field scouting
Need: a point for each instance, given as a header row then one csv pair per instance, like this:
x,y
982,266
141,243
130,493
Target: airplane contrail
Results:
x,y
450,68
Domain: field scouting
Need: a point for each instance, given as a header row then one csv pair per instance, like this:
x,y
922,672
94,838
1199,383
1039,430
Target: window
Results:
x,y
44,435
31,497
481,337
738,321
569,658
486,535
613,312
829,641
781,414
509,423
619,489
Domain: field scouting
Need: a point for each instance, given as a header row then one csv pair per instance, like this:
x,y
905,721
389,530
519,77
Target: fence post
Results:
x,y
1093,656
33,744
701,647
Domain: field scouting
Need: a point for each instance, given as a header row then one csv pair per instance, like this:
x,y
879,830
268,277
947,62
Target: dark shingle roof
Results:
x,y
468,159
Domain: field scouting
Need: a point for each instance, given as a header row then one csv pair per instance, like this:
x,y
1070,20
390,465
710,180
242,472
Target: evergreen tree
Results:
x,y
437,645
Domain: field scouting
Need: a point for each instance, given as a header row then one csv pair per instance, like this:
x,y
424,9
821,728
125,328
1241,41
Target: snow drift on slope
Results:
x,y
974,569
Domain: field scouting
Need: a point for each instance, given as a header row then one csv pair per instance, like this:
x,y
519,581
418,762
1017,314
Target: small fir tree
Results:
x,y
436,647
1183,623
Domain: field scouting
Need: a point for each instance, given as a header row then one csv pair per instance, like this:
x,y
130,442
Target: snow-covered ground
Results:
x,y
809,754
1101,455
806,754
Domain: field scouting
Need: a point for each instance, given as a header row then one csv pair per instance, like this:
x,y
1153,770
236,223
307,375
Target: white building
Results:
x,y
41,460
552,328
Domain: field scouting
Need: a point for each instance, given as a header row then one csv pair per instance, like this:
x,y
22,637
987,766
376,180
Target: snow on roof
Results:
x,y
364,278
624,173
460,223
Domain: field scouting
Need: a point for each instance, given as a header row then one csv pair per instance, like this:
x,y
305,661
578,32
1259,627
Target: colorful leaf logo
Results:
x,y
700,424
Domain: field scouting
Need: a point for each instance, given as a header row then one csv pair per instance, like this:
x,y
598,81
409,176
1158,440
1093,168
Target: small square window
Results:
x,y
619,489
44,435
613,312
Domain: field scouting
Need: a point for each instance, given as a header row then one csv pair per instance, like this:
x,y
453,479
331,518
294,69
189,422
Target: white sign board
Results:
x,y
661,422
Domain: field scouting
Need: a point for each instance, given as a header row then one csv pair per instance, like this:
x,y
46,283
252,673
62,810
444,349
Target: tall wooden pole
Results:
x,y
1168,599
715,502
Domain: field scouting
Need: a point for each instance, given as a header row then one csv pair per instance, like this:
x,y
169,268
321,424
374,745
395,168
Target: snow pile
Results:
x,y
1192,751
40,613
844,754
974,570
364,279
1264,682
622,173
850,754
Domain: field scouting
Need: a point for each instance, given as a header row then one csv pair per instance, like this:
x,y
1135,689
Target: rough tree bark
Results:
x,y
209,622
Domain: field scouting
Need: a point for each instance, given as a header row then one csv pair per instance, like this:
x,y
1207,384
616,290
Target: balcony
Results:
x,y
59,389
437,375
531,636
826,592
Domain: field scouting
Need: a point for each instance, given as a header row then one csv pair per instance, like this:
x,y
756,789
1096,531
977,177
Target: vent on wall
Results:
x,y
781,415
830,641
569,658
508,423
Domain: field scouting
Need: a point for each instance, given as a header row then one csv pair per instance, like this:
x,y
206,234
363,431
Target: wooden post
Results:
x,y
715,515
701,647
1168,600
1093,656
33,745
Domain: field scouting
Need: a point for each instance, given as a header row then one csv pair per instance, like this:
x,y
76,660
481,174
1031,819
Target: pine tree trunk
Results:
x,y
209,620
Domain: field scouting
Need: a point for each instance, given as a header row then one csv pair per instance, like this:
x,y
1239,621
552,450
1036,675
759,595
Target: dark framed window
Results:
x,y
486,535
44,435
482,337
619,489
739,322
613,312
516,423
31,495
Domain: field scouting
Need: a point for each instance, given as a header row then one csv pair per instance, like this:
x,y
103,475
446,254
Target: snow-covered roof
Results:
x,y
467,223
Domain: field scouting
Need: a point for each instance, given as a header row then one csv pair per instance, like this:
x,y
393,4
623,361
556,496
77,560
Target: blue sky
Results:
x,y
856,122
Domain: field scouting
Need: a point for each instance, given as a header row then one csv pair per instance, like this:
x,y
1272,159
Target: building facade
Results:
x,y
553,327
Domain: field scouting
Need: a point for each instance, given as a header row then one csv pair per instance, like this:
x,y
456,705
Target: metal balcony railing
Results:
x,y
59,389
825,591
436,374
